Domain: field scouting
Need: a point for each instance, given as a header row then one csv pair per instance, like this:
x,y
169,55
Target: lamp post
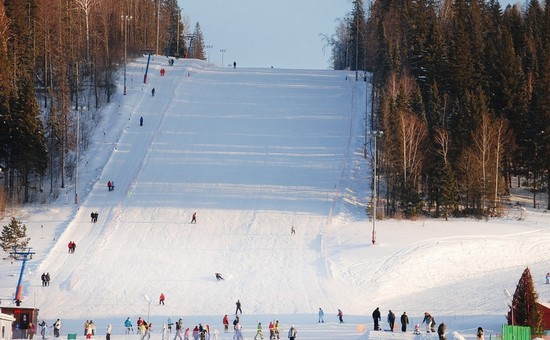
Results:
x,y
126,18
509,296
208,47
222,51
375,134
78,111
148,299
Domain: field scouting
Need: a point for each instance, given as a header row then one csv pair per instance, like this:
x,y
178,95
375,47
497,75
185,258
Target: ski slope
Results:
x,y
254,152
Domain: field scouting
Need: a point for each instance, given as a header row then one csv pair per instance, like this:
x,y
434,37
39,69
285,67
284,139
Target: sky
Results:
x,y
265,33
254,152
269,33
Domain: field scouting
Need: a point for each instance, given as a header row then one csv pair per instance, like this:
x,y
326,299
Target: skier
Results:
x,y
292,333
225,322
56,328
109,185
48,284
187,334
153,92
404,322
276,328
391,320
219,277
259,332
441,331
128,325
271,330
238,309
292,230
238,332
169,323
321,315
43,329
428,320
376,317
340,316
194,218
161,299
148,330
141,121
178,330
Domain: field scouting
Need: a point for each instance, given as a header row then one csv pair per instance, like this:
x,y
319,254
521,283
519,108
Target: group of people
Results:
x,y
44,328
72,247
377,317
45,279
94,216
110,185
89,329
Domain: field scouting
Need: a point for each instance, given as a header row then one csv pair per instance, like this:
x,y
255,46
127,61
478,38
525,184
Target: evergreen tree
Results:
x,y
197,45
524,307
14,236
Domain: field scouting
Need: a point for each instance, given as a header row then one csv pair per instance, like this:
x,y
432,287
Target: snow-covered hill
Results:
x,y
254,152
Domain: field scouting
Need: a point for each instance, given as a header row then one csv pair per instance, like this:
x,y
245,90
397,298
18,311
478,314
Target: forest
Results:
x,y
60,58
460,101
460,93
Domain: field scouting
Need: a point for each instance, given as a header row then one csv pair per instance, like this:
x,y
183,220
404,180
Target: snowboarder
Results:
x,y
219,277
238,309
161,299
141,121
376,317
391,320
404,322
340,316
292,333
321,315
153,92
194,218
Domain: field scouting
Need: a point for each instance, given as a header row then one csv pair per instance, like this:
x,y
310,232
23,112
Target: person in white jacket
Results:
x,y
292,333
108,334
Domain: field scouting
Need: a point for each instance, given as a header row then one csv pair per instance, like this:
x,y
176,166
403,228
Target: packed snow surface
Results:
x,y
254,152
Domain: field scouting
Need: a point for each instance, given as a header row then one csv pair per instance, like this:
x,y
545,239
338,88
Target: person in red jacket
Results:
x,y
225,323
161,299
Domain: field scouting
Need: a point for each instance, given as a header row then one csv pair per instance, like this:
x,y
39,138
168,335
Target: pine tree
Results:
x,y
524,307
14,236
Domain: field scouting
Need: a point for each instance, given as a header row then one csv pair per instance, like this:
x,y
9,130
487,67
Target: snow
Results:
x,y
254,152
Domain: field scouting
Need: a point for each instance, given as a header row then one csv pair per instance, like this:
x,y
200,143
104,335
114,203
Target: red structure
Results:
x,y
23,318
544,307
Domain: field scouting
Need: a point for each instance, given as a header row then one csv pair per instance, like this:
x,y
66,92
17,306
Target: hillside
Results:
x,y
254,152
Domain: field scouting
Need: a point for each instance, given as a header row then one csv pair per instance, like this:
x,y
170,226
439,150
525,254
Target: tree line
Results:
x,y
59,57
461,91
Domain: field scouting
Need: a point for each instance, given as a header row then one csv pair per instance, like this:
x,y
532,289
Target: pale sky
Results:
x,y
265,33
